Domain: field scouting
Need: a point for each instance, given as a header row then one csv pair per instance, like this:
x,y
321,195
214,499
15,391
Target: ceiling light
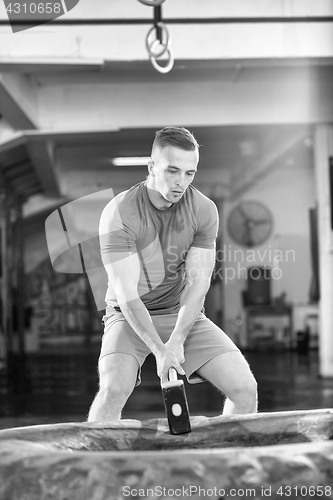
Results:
x,y
130,161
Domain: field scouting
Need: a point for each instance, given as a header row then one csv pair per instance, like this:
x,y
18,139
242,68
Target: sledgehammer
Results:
x,y
175,403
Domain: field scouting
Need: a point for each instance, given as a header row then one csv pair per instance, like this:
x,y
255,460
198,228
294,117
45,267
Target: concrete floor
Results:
x,y
51,389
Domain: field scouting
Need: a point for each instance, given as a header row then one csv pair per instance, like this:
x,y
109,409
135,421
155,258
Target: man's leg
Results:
x,y
117,377
231,374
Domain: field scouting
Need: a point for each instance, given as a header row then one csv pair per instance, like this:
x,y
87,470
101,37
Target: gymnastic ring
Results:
x,y
152,3
164,45
168,67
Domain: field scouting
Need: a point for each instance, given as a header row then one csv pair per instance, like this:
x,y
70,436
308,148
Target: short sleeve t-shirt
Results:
x,y
130,223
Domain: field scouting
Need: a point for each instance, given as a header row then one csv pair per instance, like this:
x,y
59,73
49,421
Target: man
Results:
x,y
158,248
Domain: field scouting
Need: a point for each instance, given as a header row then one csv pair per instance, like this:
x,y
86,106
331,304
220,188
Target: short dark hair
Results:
x,y
178,137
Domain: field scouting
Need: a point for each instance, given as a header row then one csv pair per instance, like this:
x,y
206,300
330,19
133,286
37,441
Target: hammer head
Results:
x,y
175,403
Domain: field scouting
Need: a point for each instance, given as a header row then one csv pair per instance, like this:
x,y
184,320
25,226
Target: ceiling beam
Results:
x,y
6,131
47,65
18,101
42,158
42,161
68,136
257,97
15,140
247,178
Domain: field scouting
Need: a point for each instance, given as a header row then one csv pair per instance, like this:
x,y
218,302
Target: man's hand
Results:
x,y
176,347
166,359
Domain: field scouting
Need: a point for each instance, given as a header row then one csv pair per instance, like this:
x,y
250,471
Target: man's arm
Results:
x,y
199,266
124,271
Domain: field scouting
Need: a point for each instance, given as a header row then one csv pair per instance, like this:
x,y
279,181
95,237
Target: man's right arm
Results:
x,y
123,270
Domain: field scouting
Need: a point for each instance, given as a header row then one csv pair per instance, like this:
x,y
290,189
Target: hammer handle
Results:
x,y
173,374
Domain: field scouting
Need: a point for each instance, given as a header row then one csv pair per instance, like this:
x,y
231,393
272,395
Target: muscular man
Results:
x,y
158,248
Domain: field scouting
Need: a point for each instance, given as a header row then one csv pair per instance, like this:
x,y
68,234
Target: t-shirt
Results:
x,y
130,223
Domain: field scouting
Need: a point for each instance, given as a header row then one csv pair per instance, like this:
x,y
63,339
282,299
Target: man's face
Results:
x,y
172,172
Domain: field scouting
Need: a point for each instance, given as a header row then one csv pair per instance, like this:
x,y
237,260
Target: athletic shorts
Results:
x,y
204,341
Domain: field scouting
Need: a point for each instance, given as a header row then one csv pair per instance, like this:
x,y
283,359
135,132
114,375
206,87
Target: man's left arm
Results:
x,y
199,266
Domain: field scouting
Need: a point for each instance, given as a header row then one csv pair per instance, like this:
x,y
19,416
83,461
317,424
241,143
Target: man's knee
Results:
x,y
251,386
245,388
116,392
116,379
